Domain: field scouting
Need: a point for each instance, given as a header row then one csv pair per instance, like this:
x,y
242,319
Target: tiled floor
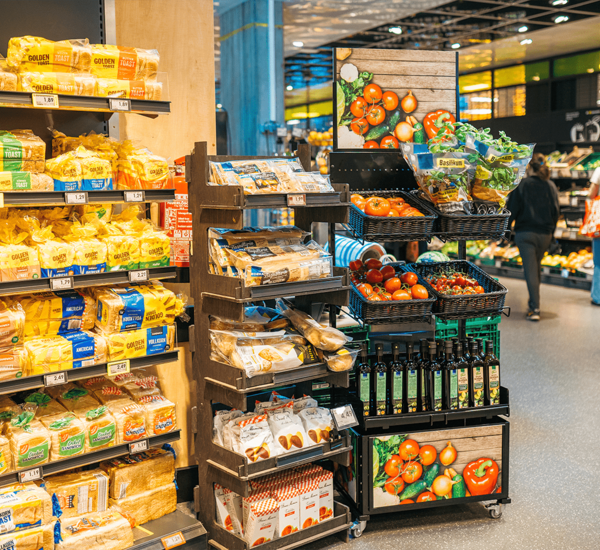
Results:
x,y
552,369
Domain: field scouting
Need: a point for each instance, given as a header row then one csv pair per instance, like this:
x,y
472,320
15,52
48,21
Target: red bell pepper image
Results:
x,y
481,476
432,122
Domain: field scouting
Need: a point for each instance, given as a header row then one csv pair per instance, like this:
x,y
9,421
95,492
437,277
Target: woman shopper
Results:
x,y
534,209
594,187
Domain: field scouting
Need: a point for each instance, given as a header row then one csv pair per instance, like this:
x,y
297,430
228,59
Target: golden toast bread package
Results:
x,y
19,146
33,53
25,181
136,474
100,428
96,531
46,405
8,79
67,435
29,440
30,507
57,83
79,493
116,62
161,417
65,170
17,259
55,256
133,89
80,169
122,251
139,343
139,168
153,504
6,458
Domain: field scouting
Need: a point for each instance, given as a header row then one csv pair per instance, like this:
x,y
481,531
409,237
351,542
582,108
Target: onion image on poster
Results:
x,y
432,466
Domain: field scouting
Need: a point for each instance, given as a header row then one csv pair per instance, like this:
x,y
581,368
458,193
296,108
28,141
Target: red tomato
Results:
x,y
479,290
371,145
427,496
375,115
409,449
387,296
392,466
354,197
409,278
374,276
419,292
412,472
375,298
390,142
373,263
377,207
388,272
372,93
355,265
397,200
393,284
390,100
358,107
365,289
393,213
394,486
359,126
401,295
407,501
428,454
360,203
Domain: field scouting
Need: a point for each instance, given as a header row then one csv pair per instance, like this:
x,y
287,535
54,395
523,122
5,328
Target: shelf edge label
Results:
x,y
45,101
344,417
30,475
139,276
134,196
61,283
296,200
118,367
119,104
55,379
76,197
138,447
172,541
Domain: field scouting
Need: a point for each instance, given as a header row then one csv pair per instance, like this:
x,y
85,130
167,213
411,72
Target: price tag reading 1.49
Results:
x,y
173,541
118,367
344,417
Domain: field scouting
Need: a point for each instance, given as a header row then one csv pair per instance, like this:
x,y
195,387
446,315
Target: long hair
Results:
x,y
538,166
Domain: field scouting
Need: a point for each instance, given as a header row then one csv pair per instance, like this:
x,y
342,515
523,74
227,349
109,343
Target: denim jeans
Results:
x,y
596,280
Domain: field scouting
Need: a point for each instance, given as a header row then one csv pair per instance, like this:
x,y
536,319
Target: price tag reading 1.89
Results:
x,y
45,101
344,417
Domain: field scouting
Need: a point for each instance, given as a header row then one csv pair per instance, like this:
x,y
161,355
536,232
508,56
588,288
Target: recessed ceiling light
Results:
x,y
558,2
289,88
395,30
352,15
298,44
524,28
455,46
292,122
526,41
590,70
561,19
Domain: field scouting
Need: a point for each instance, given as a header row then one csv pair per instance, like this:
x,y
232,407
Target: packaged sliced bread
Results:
x,y
6,458
111,394
17,259
161,417
96,531
96,383
12,323
46,405
116,62
33,53
100,428
139,168
29,440
78,493
139,343
122,251
14,363
25,181
67,435
29,539
8,79
134,89
65,170
31,507
77,399
57,83
18,146
131,421
152,504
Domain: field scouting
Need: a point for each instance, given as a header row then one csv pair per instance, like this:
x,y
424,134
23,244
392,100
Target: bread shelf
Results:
x,y
32,382
89,458
176,522
40,198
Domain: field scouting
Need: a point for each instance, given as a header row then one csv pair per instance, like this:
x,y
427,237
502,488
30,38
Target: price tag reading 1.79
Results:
x,y
118,367
61,283
344,417
173,541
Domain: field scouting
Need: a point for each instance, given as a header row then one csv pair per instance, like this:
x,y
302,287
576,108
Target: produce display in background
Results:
x,y
395,207
430,466
378,106
455,283
321,139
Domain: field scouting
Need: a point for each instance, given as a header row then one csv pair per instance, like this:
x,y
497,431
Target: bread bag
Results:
x,y
116,62
57,83
133,89
67,435
46,405
131,421
161,417
139,343
100,428
29,440
152,504
32,53
107,530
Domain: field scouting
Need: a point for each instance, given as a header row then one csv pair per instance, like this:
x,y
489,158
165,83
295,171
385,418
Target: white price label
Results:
x,y
79,197
118,367
61,283
498,263
139,276
281,132
45,101
138,447
344,417
297,132
173,540
30,475
55,379
119,104
296,200
134,196
564,273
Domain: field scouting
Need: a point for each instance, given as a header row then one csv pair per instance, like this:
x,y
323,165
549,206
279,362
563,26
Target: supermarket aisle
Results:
x,y
553,371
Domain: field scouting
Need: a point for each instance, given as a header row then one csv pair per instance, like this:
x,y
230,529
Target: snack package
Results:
x,y
131,421
67,435
235,507
309,502
342,360
139,168
21,150
116,62
31,53
46,405
288,498
160,413
134,89
317,422
262,522
152,504
139,473
25,181
287,429
222,497
102,530
78,493
100,428
325,480
139,343
255,439
220,421
57,83
29,440
254,497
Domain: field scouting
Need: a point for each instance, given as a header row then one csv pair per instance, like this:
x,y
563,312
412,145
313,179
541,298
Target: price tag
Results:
x,y
173,540
138,447
118,367
30,475
281,132
119,104
564,273
134,196
79,197
497,263
139,276
296,200
61,283
45,101
344,417
55,379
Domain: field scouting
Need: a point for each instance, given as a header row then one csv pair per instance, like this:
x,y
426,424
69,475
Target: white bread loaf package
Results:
x,y
141,387
46,405
8,80
100,428
124,63
136,474
96,383
30,507
152,504
21,150
77,399
139,343
29,440
78,493
14,363
6,458
110,394
12,323
130,419
17,260
96,531
134,89
25,181
67,435
57,83
37,538
161,417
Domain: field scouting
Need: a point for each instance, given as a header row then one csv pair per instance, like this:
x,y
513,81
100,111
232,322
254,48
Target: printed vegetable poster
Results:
x,y
430,466
385,97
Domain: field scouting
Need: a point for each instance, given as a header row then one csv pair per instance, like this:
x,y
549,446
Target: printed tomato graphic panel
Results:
x,y
422,467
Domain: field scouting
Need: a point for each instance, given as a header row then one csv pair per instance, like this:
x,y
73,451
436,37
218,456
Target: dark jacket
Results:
x,y
534,206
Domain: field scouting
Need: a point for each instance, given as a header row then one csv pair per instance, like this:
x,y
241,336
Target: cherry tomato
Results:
x,y
392,466
371,145
419,292
479,290
390,142
390,100
409,278
358,107
394,486
401,295
427,496
354,197
388,272
359,126
365,289
393,284
408,450
375,298
355,265
375,115
377,207
373,263
372,93
407,501
428,454
387,296
412,472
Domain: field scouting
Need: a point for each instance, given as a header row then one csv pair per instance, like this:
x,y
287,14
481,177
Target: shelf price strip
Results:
x,y
119,104
296,200
30,475
134,196
118,367
61,283
55,379
173,541
45,101
138,276
344,417
78,197
138,447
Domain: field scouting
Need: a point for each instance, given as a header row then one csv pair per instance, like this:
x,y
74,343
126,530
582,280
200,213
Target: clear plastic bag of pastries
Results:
x,y
67,435
121,63
33,53
107,530
46,404
29,439
57,83
161,417
100,428
138,343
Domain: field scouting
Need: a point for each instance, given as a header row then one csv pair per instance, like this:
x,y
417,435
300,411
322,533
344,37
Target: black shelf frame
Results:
x,y
39,198
176,522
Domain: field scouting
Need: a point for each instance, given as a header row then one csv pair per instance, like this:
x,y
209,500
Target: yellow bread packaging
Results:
x,y
17,259
30,507
57,83
33,53
67,435
79,493
8,80
131,421
14,363
29,440
137,474
133,89
152,504
100,428
65,171
139,168
46,405
123,251
6,458
100,211
80,169
17,146
161,417
25,181
139,343
12,323
37,538
116,62
96,531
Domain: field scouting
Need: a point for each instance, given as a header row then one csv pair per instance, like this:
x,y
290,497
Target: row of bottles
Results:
x,y
444,375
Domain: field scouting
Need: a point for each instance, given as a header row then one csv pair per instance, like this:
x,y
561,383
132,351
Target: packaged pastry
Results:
x,y
136,474
32,53
116,62
161,417
309,502
256,319
133,89
139,343
288,498
255,439
101,530
222,497
67,435
325,480
6,458
341,360
152,504
46,405
287,429
57,83
262,522
25,181
100,428
79,492
18,146
317,422
131,421
29,440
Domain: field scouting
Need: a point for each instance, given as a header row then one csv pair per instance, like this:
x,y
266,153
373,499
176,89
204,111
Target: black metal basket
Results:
x,y
398,311
463,307
384,229
467,227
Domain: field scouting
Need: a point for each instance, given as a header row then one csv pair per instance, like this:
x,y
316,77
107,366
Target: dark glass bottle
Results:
x,y
462,368
411,373
492,375
380,383
455,342
477,377
467,348
450,379
435,379
423,384
396,377
364,381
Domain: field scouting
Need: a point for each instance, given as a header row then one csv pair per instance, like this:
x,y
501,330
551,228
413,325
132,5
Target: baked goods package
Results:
x,y
262,522
29,440
341,360
107,530
17,259
139,343
80,169
325,338
6,458
288,498
139,168
46,405
161,417
8,79
77,399
28,539
32,53
152,504
124,63
131,421
79,492
109,394
309,501
222,497
141,387
317,422
220,420
133,89
287,429
25,181
30,507
256,319
57,83
65,171
12,323
122,251
67,435
255,439
136,474
56,257
21,150
100,428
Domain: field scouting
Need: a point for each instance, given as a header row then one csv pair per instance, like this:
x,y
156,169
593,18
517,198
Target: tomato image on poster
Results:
x,y
436,465
386,97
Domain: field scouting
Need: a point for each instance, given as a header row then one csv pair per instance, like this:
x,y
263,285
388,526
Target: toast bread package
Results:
x,y
67,435
8,80
76,399
32,53
12,323
46,405
133,89
57,83
130,419
100,428
116,62
160,414
138,343
14,363
139,168
25,181
101,530
17,259
19,146
6,458
152,504
29,440
31,507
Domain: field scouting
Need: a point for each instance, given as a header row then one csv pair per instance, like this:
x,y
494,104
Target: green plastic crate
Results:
x,y
485,328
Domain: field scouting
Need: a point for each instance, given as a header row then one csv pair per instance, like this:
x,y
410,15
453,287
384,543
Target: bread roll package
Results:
x,y
25,181
31,507
46,405
160,413
107,530
139,343
67,435
131,421
29,440
100,428
18,146
32,53
152,504
139,473
78,493
133,89
116,62
57,83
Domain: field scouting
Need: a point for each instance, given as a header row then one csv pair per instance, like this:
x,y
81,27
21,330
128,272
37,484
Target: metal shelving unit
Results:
x,y
60,198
